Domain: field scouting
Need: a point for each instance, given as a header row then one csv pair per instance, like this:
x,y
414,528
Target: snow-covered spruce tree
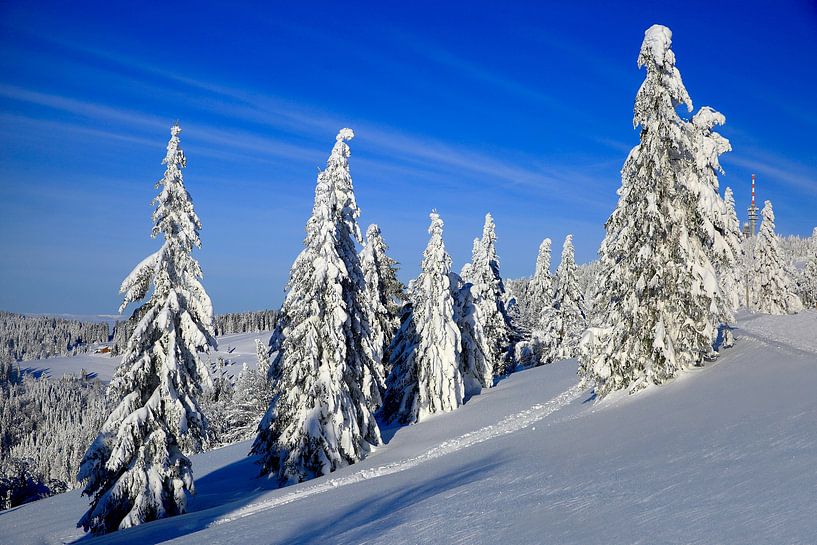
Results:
x,y
373,380
711,223
655,307
570,318
808,282
249,402
540,288
488,292
734,237
425,377
136,469
320,417
476,366
773,290
263,356
544,339
386,293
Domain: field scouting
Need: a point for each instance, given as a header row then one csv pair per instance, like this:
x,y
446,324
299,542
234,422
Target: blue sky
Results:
x,y
521,109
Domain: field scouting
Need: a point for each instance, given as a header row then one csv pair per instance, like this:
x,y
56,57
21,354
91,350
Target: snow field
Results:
x,y
509,424
723,454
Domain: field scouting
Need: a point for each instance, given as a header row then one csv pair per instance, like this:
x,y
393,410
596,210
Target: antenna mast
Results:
x,y
753,212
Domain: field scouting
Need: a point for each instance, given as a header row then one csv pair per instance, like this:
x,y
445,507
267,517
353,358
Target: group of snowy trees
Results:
x,y
672,264
45,426
37,337
351,343
807,282
773,289
795,261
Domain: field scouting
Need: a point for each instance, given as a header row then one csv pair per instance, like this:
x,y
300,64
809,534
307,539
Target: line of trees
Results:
x,y
25,338
253,321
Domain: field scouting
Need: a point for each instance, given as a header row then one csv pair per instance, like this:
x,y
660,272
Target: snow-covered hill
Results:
x,y
724,454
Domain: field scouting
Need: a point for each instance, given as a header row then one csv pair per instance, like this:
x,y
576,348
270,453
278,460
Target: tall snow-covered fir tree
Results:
x,y
325,384
488,292
475,364
736,278
570,318
711,223
136,469
659,285
808,289
539,294
425,377
773,290
385,292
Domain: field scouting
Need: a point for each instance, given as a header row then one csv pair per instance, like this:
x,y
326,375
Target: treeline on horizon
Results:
x,y
25,337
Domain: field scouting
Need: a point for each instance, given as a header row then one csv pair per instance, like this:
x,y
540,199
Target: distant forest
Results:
x,y
24,337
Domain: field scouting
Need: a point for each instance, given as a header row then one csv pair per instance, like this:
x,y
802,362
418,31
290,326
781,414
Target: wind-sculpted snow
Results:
x,y
509,424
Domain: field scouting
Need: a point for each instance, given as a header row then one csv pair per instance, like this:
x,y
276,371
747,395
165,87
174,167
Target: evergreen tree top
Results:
x,y
543,260
372,231
663,83
435,229
341,152
768,217
567,248
489,234
337,174
174,216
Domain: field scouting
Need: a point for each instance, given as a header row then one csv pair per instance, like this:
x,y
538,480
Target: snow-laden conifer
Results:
x,y
710,221
263,356
136,469
425,377
475,364
569,317
733,280
250,399
658,285
808,288
773,288
324,379
539,294
488,292
385,292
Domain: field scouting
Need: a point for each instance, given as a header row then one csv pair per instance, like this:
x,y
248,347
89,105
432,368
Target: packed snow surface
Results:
x,y
723,454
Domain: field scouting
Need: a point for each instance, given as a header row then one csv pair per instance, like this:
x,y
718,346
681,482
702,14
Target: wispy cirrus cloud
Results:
x,y
794,175
416,154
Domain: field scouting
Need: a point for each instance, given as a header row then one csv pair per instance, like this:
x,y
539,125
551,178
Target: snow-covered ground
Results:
x,y
724,454
235,349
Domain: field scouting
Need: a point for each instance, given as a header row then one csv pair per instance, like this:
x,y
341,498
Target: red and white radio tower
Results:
x,y
753,212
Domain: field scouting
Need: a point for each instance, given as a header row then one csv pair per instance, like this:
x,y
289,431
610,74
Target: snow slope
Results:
x,y
235,349
724,454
